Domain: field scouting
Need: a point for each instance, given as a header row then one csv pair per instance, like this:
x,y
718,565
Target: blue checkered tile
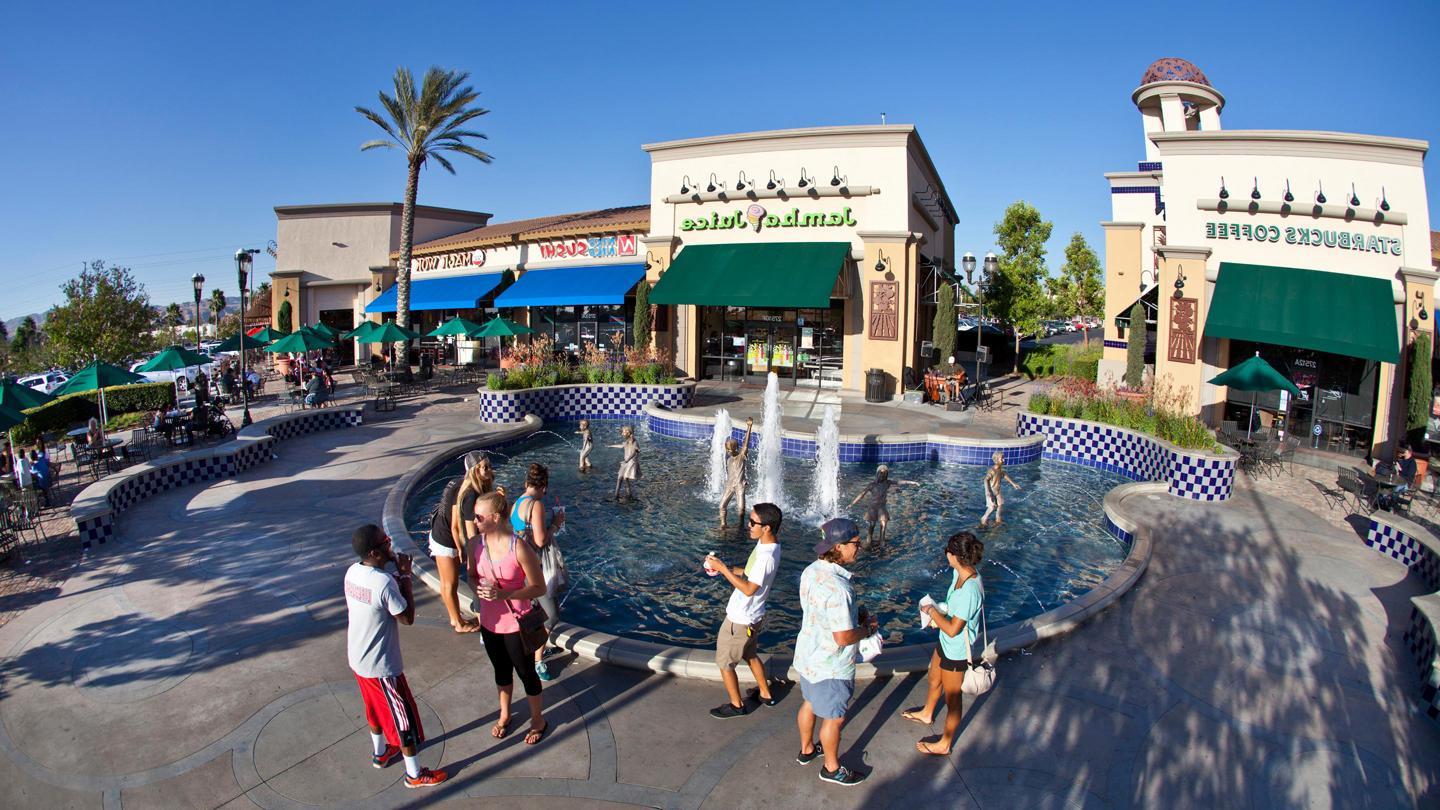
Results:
x,y
1420,640
1395,543
571,402
1188,474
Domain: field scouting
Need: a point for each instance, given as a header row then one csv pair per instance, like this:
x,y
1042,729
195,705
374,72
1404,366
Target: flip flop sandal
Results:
x,y
534,736
500,730
912,716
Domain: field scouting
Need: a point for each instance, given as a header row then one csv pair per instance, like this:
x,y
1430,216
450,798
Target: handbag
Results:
x,y
979,678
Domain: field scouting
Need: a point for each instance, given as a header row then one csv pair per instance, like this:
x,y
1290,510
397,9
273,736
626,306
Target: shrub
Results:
x,y
1135,348
1039,402
75,409
1159,415
495,381
1417,412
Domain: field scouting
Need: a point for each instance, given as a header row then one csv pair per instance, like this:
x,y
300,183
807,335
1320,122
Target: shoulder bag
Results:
x,y
533,633
979,677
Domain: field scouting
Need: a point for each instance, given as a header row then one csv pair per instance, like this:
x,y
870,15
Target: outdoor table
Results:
x,y
385,396
77,432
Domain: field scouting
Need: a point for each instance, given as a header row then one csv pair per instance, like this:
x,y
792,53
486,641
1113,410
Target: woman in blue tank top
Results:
x,y
537,524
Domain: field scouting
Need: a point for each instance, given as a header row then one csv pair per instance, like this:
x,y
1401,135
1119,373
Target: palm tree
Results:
x,y
424,124
217,306
173,318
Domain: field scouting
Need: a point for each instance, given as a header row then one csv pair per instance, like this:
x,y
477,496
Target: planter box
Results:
x,y
1192,474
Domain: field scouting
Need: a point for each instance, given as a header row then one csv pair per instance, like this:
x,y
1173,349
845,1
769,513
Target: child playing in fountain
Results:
x,y
629,462
587,443
735,469
875,507
994,498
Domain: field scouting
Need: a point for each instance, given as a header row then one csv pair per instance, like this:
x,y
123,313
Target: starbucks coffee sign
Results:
x,y
756,217
1309,237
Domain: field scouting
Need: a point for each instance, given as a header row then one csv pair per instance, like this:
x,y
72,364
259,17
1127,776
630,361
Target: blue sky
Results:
x,y
161,136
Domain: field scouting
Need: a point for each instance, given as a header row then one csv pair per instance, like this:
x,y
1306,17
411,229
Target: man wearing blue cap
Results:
x,y
825,649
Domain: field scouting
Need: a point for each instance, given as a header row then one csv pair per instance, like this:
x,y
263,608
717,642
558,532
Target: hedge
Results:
x,y
1057,360
76,409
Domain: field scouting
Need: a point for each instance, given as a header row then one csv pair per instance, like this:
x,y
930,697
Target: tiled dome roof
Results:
x,y
1173,69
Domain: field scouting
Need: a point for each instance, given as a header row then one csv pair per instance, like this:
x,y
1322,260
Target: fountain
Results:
x,y
825,491
715,478
769,486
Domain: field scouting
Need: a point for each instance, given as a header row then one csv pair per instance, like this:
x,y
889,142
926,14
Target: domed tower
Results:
x,y
1175,96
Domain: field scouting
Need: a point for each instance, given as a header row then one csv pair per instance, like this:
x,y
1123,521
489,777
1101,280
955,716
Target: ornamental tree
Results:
x,y
106,316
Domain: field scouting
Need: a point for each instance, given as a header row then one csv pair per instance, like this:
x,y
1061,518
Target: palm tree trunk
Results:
x,y
402,273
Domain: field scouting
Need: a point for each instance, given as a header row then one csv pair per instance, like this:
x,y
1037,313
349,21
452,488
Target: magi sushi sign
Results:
x,y
756,217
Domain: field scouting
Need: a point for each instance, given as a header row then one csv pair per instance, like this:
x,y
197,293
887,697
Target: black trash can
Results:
x,y
876,383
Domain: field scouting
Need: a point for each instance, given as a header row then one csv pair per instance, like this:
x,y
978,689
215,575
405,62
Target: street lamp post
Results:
x,y
199,282
987,271
243,261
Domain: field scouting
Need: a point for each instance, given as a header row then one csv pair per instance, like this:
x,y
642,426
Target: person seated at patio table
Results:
x,y
7,464
94,436
40,470
202,389
315,391
252,382
160,423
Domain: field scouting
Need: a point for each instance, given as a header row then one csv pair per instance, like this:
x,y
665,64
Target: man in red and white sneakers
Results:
x,y
375,600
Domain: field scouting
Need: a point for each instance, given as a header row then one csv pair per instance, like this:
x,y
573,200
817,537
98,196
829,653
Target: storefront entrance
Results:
x,y
342,320
804,347
1336,407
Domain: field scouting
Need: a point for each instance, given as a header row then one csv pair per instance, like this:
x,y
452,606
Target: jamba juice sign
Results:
x,y
757,217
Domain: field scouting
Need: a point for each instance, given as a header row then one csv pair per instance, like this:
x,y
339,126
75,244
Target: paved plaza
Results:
x,y
199,661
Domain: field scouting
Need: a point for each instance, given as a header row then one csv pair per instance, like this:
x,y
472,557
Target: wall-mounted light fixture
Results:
x,y
837,180
882,264
1255,190
1180,281
1319,192
650,260
1420,306
740,184
1224,192
1289,198
804,181
1384,202
685,185
714,181
1354,198
773,181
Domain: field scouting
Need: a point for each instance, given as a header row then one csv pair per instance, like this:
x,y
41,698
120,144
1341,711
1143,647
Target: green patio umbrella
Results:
x,y
1254,375
97,377
232,343
456,326
502,327
175,358
360,331
299,343
269,334
19,397
389,332
324,330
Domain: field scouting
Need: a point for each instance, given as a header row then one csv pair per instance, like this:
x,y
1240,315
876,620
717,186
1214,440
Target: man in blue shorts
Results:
x,y
825,649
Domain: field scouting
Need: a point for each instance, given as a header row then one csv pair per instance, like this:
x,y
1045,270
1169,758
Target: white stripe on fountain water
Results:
x,y
825,491
715,478
769,486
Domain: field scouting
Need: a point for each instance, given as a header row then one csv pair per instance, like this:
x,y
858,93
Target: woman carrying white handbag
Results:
x,y
954,672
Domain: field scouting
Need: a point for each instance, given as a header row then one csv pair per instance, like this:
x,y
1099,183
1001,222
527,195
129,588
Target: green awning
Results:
x,y
1309,309
786,275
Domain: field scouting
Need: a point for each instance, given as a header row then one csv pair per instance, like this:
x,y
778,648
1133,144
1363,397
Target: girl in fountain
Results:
x,y
875,507
449,536
629,462
735,469
587,443
994,498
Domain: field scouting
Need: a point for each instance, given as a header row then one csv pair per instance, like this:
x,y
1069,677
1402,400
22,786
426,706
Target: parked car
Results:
x,y
172,376
46,382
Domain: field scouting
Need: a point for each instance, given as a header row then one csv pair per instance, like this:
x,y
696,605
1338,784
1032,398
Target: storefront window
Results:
x,y
803,347
1336,407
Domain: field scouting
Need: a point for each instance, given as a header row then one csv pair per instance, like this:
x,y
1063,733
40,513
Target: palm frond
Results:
x,y
368,145
467,149
445,164
376,119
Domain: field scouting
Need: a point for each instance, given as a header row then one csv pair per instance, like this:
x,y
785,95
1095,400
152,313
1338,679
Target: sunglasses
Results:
x,y
751,523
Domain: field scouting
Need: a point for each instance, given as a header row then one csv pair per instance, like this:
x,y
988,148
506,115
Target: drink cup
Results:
x,y
709,565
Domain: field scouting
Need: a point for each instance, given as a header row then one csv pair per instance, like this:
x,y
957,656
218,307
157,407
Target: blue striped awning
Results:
x,y
572,286
453,292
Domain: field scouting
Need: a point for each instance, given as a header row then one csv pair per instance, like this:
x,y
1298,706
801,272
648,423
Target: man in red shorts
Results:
x,y
375,600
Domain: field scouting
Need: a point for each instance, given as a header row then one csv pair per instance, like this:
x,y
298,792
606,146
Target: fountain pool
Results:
x,y
635,566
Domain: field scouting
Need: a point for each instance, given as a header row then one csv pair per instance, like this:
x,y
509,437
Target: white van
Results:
x,y
45,383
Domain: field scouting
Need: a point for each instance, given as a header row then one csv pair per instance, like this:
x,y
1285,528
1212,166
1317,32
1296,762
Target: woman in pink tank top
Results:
x,y
506,575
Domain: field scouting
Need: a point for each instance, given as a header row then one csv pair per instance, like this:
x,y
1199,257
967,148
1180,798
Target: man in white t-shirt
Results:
x,y
745,613
375,600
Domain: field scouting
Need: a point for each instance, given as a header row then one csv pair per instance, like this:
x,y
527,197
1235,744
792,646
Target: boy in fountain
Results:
x,y
875,494
745,613
735,474
994,497
629,462
587,443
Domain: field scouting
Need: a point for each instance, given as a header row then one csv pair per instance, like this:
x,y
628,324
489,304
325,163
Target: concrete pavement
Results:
x,y
200,662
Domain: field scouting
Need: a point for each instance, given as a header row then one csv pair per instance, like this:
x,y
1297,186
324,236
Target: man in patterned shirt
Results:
x,y
825,649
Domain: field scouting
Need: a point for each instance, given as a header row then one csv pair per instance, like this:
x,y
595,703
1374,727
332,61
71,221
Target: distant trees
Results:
x,y
106,315
1083,286
172,319
217,307
1015,294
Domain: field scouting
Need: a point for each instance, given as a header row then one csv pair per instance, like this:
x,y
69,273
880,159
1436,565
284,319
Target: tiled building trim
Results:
x,y
571,402
885,449
1419,550
1189,474
95,508
1116,344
